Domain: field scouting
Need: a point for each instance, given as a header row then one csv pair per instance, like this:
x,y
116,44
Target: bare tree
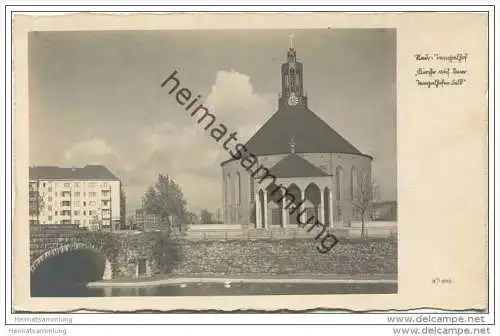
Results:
x,y
365,194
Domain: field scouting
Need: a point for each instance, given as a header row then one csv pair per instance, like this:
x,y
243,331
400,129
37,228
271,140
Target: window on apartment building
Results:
x,y
50,198
77,222
56,193
77,194
56,212
90,212
84,213
65,194
76,213
77,184
50,218
67,185
44,184
104,184
92,184
92,194
84,194
49,207
105,193
76,203
65,203
84,203
92,203
105,202
50,189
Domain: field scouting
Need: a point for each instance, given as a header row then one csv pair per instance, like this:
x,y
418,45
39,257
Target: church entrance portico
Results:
x,y
313,206
284,206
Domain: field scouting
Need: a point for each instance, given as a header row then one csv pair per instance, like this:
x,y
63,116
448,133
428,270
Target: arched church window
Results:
x,y
292,81
238,186
228,189
354,183
339,179
224,191
252,190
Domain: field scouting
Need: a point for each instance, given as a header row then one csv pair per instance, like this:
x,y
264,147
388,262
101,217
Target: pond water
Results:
x,y
219,289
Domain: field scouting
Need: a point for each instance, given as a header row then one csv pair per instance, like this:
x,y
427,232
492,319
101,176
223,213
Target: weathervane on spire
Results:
x,y
291,40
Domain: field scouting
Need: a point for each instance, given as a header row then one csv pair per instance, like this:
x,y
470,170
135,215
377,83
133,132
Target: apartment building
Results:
x,y
87,196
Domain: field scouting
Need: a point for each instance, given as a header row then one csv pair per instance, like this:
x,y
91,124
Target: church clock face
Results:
x,y
293,100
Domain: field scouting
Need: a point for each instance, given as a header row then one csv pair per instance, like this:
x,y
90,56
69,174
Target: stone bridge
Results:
x,y
65,253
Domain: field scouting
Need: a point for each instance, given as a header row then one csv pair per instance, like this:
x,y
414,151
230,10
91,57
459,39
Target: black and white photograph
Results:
x,y
213,162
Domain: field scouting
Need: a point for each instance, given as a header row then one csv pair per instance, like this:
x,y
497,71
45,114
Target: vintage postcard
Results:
x,y
210,161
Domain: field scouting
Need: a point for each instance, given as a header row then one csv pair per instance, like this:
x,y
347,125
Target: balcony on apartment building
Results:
x,y
105,213
65,213
105,204
66,193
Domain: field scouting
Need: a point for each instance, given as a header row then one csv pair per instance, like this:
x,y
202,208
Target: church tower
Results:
x,y
302,151
292,79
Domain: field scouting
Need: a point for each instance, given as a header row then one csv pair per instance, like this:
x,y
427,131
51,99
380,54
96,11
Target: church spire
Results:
x,y
292,91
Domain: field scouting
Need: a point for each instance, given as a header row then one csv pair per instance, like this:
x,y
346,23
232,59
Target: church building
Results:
x,y
315,164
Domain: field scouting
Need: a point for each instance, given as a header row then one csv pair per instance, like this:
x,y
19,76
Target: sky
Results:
x,y
95,98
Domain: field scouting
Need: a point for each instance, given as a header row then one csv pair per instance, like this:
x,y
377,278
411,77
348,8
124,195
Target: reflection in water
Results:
x,y
241,289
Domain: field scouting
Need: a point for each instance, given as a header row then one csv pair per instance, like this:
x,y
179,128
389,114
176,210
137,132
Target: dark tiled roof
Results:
x,y
89,172
308,131
294,165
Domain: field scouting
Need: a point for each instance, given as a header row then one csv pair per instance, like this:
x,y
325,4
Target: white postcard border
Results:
x,y
228,318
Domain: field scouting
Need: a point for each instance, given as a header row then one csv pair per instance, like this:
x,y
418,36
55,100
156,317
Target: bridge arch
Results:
x,y
48,255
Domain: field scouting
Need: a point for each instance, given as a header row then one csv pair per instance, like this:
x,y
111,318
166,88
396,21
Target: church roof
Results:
x,y
294,165
308,131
